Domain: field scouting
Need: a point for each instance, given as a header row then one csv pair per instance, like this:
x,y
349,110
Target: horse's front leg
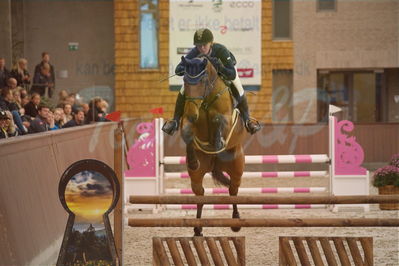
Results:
x,y
198,189
188,135
235,182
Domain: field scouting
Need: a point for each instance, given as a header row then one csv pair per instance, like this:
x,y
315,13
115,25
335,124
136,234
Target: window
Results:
x,y
326,5
282,96
281,19
361,95
149,33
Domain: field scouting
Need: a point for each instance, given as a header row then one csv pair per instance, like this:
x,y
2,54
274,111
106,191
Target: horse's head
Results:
x,y
198,82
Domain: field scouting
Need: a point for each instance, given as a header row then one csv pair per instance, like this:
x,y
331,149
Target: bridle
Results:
x,y
209,87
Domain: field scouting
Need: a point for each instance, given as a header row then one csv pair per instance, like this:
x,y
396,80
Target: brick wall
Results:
x,y
137,91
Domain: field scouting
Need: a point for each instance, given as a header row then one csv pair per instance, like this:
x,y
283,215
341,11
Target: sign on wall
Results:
x,y
235,24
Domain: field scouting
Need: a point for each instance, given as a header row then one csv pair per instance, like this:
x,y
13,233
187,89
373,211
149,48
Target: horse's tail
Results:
x,y
220,179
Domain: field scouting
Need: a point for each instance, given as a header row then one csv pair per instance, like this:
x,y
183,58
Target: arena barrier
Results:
x,y
346,177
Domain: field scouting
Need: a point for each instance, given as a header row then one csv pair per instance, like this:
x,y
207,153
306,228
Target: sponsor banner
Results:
x,y
235,24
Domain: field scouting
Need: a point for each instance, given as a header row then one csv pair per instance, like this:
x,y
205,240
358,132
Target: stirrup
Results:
x,y
256,127
170,130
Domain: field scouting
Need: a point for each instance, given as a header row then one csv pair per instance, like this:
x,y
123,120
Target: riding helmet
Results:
x,y
203,36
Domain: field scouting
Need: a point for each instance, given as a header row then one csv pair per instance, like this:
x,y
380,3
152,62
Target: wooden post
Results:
x,y
118,211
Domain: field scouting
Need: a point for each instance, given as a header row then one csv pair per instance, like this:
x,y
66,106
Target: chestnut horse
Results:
x,y
212,130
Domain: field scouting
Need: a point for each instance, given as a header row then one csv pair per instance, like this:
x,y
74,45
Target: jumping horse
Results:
x,y
212,130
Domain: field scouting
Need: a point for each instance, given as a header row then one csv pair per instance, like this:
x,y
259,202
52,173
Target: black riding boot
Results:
x,y
251,124
171,126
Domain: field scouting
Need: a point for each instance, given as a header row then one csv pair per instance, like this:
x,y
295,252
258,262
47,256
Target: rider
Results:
x,y
224,62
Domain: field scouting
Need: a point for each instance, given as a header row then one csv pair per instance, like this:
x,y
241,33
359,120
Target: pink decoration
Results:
x,y
141,156
303,159
301,173
303,206
220,190
269,174
269,190
301,190
269,159
349,154
270,206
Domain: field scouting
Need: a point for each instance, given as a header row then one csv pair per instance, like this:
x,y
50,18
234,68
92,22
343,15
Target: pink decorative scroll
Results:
x,y
141,156
349,154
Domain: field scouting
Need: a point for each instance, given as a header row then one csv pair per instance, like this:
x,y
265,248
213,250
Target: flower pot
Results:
x,y
389,190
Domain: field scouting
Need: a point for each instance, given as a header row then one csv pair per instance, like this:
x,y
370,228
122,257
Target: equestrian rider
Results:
x,y
224,62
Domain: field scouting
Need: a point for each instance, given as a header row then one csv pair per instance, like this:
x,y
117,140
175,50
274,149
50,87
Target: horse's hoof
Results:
x,y
198,231
235,229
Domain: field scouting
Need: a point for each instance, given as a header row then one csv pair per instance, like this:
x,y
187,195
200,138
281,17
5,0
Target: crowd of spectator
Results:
x,y
25,105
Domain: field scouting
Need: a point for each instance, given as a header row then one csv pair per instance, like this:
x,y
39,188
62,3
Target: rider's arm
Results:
x,y
227,70
180,67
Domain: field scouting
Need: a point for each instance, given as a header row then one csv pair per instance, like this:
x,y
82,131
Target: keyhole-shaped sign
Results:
x,y
88,191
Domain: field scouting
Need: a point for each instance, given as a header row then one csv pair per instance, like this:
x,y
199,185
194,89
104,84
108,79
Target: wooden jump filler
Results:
x,y
344,251
193,251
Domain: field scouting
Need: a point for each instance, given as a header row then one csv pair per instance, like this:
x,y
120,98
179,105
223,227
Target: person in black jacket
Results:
x,y
31,108
78,119
43,81
4,73
224,62
21,74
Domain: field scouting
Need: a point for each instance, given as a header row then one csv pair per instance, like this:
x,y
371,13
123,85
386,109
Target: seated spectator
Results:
x,y
46,60
68,112
51,122
21,74
31,108
59,117
8,103
7,127
78,119
96,113
43,82
62,96
40,123
11,84
4,73
85,108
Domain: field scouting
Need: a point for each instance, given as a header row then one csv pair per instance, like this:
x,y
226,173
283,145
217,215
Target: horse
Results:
x,y
212,130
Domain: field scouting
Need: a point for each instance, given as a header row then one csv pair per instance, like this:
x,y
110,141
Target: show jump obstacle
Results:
x,y
147,173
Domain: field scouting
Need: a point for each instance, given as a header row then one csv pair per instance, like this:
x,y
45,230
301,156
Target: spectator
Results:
x,y
51,121
31,108
96,113
11,84
46,60
24,98
21,111
78,119
71,99
68,112
40,123
59,117
62,96
85,108
7,127
42,82
21,74
4,73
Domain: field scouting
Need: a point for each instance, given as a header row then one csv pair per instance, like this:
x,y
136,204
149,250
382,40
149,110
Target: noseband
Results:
x,y
209,87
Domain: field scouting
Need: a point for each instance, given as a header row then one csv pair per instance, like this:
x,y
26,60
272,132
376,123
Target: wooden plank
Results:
x,y
367,244
160,251
199,246
325,244
355,252
228,253
301,251
217,259
239,243
174,251
187,251
314,251
118,168
343,256
287,252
